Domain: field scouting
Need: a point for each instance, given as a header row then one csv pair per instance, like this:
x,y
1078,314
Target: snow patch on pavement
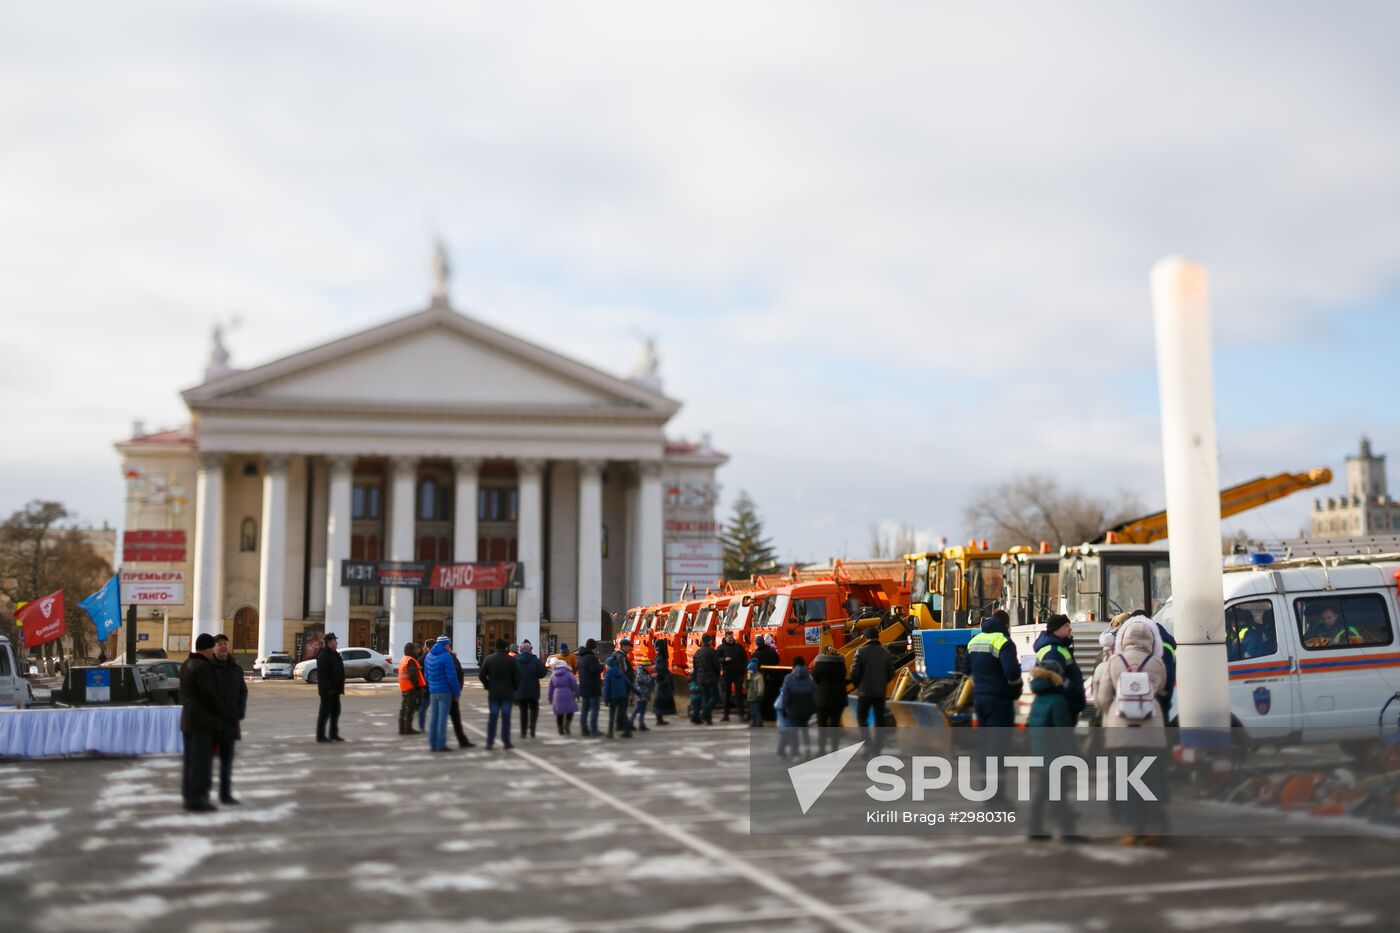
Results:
x,y
225,817
1284,913
105,915
25,840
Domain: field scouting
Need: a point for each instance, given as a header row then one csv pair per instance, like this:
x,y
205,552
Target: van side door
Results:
x,y
1348,647
1263,667
12,686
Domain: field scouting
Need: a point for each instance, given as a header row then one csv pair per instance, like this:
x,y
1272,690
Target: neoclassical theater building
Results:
x,y
434,437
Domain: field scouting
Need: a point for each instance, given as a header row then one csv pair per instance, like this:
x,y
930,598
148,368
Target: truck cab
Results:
x,y
14,680
704,622
1030,588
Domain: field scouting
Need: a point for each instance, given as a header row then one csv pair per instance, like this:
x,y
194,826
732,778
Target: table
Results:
x,y
111,730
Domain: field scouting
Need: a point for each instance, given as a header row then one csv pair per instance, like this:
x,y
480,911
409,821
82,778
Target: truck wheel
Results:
x,y
375,675
311,677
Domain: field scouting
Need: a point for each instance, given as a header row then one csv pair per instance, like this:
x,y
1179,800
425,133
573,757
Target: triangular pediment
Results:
x,y
435,358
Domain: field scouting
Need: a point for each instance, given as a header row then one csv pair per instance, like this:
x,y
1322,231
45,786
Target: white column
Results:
x,y
529,541
401,516
338,519
272,556
464,552
648,529
590,550
208,545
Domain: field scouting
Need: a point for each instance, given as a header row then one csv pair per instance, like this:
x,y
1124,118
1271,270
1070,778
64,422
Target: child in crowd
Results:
x,y
753,688
563,694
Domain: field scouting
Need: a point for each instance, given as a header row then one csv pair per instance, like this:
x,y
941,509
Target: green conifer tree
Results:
x,y
746,551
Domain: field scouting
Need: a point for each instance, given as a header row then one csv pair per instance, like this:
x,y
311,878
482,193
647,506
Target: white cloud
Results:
x,y
892,251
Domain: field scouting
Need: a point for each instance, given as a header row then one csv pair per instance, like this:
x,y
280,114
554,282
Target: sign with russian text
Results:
x,y
153,587
509,575
153,545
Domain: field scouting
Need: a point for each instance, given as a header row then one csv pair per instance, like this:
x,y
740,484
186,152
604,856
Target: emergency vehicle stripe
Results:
x,y
1267,670
1256,667
1362,662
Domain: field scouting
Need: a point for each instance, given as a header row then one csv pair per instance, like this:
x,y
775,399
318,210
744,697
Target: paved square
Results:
x,y
649,833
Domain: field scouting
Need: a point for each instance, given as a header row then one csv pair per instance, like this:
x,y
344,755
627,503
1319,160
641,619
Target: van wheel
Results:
x,y
375,675
311,677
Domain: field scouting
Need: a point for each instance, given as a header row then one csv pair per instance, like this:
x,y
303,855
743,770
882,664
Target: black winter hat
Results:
x,y
204,642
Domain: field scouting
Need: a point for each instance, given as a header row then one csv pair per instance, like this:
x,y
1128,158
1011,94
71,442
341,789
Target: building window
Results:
x,y
248,535
364,502
496,504
427,500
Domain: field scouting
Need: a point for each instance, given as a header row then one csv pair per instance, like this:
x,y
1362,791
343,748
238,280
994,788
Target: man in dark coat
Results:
x,y
870,675
527,695
665,701
501,676
590,688
829,671
733,659
201,720
233,690
456,711
706,666
995,667
330,684
767,657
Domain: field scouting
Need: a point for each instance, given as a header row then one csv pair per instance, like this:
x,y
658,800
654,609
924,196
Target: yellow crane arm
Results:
x,y
1233,501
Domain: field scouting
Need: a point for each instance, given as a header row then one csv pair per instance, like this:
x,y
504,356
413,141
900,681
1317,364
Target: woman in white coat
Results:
x,y
1136,726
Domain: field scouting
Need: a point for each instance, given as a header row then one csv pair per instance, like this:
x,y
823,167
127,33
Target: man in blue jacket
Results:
x,y
1056,644
996,672
443,688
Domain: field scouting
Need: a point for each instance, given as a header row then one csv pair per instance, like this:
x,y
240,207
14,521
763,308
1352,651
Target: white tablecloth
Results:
x,y
116,730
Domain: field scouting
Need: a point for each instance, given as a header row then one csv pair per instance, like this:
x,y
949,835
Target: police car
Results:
x,y
1312,645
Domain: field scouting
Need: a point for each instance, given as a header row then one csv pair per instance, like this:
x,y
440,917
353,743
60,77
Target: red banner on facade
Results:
x,y
42,620
153,545
509,575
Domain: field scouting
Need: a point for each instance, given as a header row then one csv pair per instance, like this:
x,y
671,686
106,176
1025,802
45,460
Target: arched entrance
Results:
x,y
245,630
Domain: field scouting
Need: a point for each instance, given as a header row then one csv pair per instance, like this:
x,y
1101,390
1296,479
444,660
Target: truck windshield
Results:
x,y
701,621
984,588
630,625
736,615
673,621
918,588
774,611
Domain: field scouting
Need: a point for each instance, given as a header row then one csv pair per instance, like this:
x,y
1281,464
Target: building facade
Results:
x,y
432,438
1366,509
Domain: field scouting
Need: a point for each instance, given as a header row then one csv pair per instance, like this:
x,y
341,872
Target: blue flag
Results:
x,y
105,608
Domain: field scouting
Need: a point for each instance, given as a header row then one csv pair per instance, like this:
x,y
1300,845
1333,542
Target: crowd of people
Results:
x,y
1133,681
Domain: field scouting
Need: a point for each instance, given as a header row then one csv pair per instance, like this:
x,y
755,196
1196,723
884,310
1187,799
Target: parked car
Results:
x,y
274,665
162,679
359,662
142,654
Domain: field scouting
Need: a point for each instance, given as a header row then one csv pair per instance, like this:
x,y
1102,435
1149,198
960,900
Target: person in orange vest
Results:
x,y
411,685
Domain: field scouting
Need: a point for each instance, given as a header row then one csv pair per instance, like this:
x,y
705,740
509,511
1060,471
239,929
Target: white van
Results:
x,y
1312,645
14,686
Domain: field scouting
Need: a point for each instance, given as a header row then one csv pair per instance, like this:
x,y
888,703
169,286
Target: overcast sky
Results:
x,y
891,252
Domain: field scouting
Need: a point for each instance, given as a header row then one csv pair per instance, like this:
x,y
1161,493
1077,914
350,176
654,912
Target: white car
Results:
x,y
359,662
274,665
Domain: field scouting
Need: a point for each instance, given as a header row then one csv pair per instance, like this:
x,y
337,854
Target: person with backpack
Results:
x,y
797,701
1051,728
1126,687
1056,643
616,689
753,689
563,695
590,688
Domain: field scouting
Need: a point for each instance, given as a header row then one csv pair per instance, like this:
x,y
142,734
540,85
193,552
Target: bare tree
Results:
x,y
892,543
1032,507
39,553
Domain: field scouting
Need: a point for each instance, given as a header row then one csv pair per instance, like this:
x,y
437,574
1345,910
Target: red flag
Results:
x,y
42,620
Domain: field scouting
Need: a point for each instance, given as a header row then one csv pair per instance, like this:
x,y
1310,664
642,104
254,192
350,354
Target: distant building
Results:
x,y
1366,509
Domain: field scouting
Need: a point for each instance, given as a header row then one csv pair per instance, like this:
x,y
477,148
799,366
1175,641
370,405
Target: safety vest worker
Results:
x,y
1056,643
996,672
412,686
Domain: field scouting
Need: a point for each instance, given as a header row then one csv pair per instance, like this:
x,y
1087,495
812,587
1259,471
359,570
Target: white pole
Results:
x,y
165,631
1181,312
